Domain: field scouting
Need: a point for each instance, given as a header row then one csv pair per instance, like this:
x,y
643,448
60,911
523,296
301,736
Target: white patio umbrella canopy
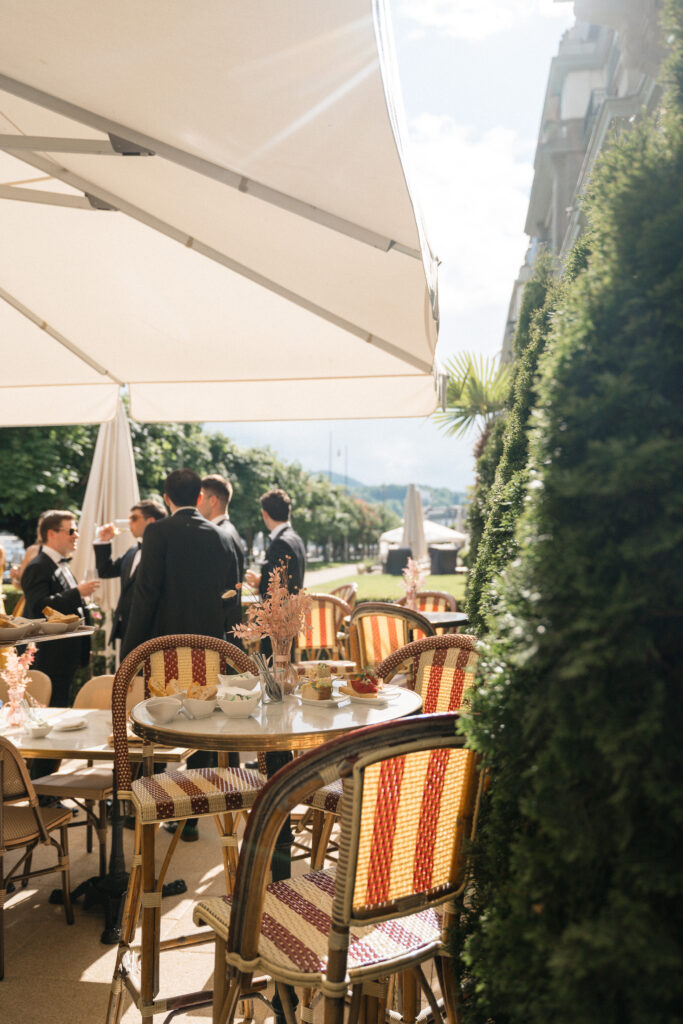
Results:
x,y
207,203
413,524
111,490
434,533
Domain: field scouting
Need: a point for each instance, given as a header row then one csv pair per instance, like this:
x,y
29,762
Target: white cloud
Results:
x,y
477,19
473,189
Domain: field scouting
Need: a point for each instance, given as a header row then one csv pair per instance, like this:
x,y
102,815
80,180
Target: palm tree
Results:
x,y
476,393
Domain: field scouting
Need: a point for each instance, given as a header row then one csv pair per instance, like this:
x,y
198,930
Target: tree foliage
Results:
x,y
476,392
48,467
577,905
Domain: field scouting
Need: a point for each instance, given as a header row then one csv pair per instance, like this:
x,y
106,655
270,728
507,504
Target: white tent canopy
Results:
x,y
434,533
207,203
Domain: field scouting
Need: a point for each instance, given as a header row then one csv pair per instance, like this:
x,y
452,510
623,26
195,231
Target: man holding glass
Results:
x,y
47,581
141,515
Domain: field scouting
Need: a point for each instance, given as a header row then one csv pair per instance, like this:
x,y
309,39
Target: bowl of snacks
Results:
x,y
200,701
37,730
238,702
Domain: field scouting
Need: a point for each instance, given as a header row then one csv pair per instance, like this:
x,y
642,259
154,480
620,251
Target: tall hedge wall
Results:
x,y
577,905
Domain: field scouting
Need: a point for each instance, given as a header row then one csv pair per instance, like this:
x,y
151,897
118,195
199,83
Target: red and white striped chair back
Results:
x,y
443,669
378,628
184,657
322,625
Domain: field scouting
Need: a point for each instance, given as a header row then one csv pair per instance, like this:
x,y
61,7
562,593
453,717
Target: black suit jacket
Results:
x,y
232,607
186,564
107,569
288,549
43,584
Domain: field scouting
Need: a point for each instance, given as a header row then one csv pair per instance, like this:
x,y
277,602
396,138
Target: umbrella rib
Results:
x,y
206,168
136,213
11,300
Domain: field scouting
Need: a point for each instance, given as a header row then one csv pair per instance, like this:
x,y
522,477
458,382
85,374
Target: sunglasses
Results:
x,y
71,530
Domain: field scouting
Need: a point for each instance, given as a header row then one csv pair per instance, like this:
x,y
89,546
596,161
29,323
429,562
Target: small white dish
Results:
x,y
370,702
38,731
52,628
332,702
12,633
198,708
245,681
238,702
68,722
163,709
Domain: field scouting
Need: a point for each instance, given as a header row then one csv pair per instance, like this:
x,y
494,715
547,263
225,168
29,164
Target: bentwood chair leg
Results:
x,y
3,896
150,935
88,826
286,1003
319,850
129,921
409,997
449,990
226,826
219,977
102,836
63,851
226,1012
27,869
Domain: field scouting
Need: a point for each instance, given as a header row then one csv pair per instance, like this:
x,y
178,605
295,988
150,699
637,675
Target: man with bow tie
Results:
x,y
139,518
48,581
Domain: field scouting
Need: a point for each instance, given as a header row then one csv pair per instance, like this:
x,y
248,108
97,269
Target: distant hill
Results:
x,y
394,495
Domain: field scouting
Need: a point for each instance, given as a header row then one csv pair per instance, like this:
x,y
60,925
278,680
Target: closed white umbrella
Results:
x,y
112,489
413,524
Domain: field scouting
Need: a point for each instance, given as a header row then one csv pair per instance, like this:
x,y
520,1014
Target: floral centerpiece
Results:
x,y
413,578
280,616
15,675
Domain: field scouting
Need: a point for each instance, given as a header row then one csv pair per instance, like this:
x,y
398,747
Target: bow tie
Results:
x,y
64,561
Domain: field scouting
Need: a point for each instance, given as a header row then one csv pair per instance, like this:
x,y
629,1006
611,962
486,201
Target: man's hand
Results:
x,y
88,587
253,579
106,532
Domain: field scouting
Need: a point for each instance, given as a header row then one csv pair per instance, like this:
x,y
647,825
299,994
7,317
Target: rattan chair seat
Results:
x,y
327,798
297,919
19,823
175,795
84,784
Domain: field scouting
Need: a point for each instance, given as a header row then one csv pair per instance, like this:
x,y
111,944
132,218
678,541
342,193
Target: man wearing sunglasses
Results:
x,y
140,517
47,580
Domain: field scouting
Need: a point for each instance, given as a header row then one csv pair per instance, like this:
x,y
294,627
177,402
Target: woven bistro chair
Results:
x,y
38,686
23,824
318,638
443,670
434,601
411,789
377,628
347,592
171,795
90,786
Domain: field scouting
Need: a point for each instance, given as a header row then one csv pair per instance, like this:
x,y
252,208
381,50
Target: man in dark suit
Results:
x,y
213,503
186,565
47,581
285,546
140,517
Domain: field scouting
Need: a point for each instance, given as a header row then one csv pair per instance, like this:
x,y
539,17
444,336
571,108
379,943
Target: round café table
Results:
x,y
288,725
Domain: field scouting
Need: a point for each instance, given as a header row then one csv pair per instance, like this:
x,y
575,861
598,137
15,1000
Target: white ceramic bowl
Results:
x,y
39,731
163,709
9,634
199,708
53,628
245,681
239,705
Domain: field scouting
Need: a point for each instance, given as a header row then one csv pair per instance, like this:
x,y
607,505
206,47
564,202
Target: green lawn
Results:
x,y
379,587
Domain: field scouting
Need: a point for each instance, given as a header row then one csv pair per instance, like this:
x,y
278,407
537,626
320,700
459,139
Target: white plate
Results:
x,y
68,723
370,702
333,702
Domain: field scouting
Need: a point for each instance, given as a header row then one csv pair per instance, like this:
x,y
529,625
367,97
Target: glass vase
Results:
x,y
283,670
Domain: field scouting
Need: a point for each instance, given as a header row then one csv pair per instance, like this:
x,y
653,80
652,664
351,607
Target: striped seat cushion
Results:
x,y
297,921
327,798
191,794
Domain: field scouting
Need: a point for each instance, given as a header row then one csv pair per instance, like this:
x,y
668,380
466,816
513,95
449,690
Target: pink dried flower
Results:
x,y
280,615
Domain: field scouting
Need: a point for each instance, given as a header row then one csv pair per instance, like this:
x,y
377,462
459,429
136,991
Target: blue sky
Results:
x,y
473,76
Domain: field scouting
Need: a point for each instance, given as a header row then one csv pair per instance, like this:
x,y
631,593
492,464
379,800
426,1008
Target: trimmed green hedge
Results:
x,y
576,912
